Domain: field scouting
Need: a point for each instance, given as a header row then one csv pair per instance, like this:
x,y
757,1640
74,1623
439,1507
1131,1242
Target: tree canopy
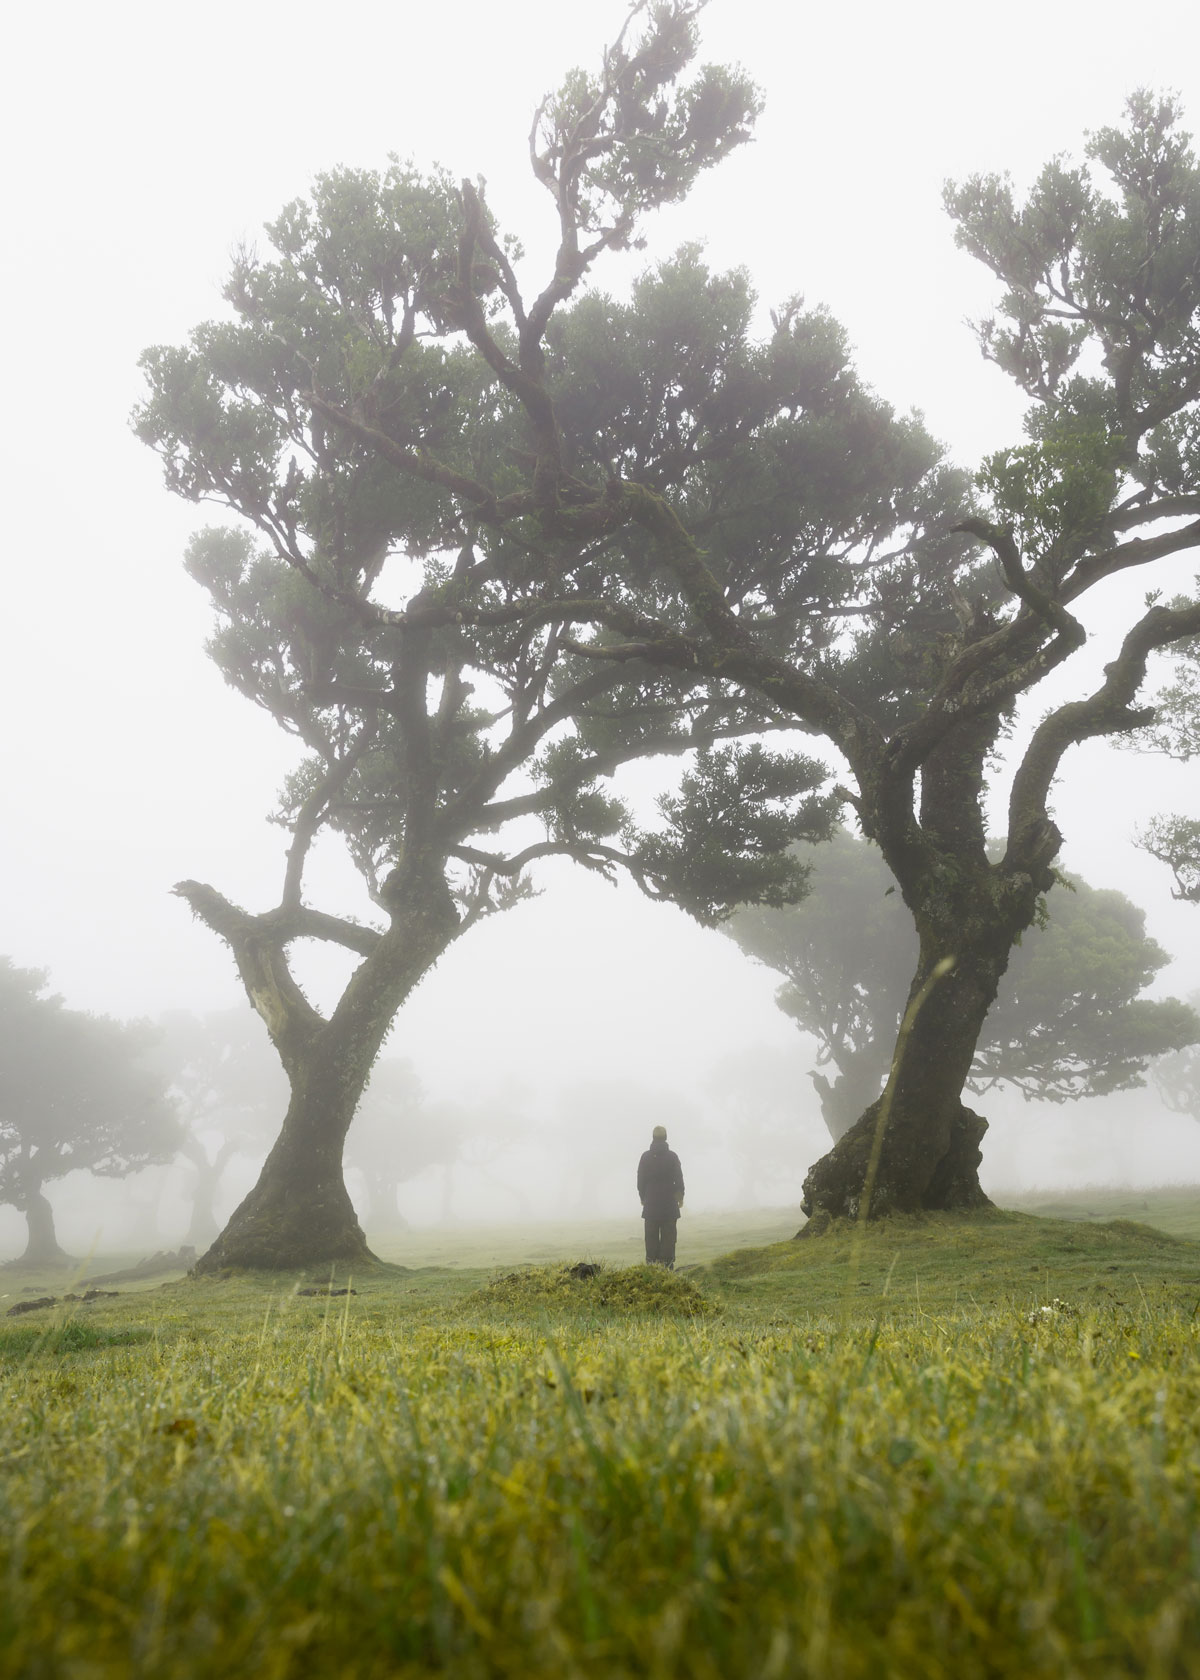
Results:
x,y
76,1092
1069,1021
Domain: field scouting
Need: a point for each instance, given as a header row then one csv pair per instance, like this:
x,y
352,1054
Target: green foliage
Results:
x,y
1056,493
364,304
575,806
373,1486
634,136
778,455
1101,257
1175,841
735,815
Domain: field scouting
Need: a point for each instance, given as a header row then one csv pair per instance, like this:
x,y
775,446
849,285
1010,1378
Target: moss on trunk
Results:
x,y
927,1142
300,1213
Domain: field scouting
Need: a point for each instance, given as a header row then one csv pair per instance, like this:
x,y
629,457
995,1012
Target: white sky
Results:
x,y
143,142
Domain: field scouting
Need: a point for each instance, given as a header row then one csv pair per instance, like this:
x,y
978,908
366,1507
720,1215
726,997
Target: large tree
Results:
x,y
1069,1020
377,415
77,1092
910,656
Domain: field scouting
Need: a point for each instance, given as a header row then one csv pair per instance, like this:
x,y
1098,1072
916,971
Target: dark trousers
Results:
x,y
660,1241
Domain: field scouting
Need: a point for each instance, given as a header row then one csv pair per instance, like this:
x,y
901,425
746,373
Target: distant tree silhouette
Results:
x,y
228,1088
76,1092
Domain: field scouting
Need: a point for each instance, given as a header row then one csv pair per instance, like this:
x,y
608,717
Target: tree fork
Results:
x,y
300,1213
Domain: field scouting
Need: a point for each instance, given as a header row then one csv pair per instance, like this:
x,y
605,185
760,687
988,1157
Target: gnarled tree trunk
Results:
x,y
299,1213
928,1150
42,1247
918,1146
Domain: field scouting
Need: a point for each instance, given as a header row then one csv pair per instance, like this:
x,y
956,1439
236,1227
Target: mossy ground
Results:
x,y
882,1456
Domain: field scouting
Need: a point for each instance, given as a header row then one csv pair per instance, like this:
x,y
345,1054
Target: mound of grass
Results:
x,y
1167,1207
623,1290
939,1262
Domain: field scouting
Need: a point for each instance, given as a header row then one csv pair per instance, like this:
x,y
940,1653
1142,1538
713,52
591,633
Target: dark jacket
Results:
x,y
660,1182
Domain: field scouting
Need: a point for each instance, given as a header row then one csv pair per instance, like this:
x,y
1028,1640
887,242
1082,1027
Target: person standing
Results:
x,y
660,1185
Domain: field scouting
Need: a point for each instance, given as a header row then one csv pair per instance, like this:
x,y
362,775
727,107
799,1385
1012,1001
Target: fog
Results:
x,y
144,143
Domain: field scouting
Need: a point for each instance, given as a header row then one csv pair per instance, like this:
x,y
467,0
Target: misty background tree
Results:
x,y
398,1134
1069,1019
229,1091
77,1093
388,459
1173,837
1177,1077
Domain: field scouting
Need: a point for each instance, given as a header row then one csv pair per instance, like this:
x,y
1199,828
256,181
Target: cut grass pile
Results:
x,y
408,1481
620,1291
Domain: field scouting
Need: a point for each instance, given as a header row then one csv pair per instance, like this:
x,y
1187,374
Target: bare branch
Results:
x,y
308,819
1138,552
258,951
1107,711
1003,544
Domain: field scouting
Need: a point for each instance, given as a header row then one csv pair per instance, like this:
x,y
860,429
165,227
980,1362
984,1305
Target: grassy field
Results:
x,y
944,1448
1172,1207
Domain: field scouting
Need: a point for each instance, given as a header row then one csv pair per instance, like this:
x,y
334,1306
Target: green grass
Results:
x,y
1170,1207
702,1236
947,1448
